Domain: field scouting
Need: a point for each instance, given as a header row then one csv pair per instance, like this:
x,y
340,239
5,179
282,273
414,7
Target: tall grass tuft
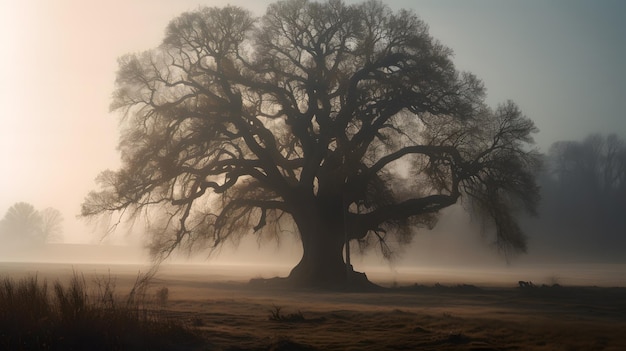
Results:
x,y
70,317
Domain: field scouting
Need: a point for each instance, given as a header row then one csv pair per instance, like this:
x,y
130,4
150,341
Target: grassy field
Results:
x,y
224,312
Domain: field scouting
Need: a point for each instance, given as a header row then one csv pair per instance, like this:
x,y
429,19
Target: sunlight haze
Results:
x,y
561,61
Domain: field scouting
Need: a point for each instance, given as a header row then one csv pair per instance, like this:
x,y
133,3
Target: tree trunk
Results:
x,y
320,221
322,263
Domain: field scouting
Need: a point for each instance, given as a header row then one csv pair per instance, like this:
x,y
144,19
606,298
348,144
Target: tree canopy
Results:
x,y
337,121
584,197
23,225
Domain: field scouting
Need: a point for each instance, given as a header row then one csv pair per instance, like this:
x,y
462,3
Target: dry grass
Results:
x,y
422,318
234,316
34,316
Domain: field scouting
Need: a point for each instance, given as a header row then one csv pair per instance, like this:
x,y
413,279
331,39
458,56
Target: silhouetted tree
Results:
x,y
347,121
597,164
52,224
23,225
584,191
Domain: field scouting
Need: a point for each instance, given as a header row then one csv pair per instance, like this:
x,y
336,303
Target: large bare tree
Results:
x,y
349,122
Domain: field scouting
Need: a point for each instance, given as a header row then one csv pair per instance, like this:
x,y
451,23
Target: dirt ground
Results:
x,y
232,314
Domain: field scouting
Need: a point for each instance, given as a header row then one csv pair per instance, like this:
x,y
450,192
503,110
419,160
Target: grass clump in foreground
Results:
x,y
277,316
34,316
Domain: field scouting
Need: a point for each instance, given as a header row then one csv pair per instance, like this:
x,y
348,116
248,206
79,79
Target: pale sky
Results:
x,y
561,61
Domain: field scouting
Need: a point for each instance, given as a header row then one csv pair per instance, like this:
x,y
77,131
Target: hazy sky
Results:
x,y
561,61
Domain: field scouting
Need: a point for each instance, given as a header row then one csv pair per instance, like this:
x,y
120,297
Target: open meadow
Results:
x,y
227,312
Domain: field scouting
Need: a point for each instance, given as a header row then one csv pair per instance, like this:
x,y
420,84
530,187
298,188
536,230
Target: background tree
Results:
x,y
52,224
345,121
584,196
24,226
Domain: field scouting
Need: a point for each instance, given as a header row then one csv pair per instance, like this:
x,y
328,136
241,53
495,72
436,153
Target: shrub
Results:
x,y
277,316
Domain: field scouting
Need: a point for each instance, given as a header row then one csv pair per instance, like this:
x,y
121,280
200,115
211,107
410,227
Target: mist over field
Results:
x,y
454,252
564,71
312,175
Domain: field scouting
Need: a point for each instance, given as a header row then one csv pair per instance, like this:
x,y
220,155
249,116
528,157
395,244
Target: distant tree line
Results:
x,y
584,195
24,226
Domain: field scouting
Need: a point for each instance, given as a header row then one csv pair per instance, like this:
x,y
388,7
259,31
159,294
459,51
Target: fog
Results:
x,y
456,251
560,61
